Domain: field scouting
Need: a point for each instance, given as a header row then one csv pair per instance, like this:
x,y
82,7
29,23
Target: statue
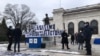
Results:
x,y
46,20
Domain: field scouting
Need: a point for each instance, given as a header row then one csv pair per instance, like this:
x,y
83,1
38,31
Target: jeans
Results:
x,y
80,46
72,42
17,42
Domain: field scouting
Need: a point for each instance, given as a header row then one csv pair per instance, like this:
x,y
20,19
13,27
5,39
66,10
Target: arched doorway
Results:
x,y
80,25
94,25
71,28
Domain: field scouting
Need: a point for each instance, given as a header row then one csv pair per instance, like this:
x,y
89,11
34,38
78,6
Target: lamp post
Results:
x,y
64,25
63,22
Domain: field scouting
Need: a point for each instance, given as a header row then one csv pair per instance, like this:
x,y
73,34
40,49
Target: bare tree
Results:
x,y
19,14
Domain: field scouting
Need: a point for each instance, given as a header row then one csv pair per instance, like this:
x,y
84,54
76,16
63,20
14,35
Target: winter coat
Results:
x,y
17,32
9,32
72,37
87,31
80,37
64,37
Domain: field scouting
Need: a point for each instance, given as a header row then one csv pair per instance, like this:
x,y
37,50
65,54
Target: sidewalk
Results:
x,y
49,51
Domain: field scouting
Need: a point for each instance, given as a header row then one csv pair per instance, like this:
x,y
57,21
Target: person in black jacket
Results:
x,y
76,38
64,39
10,37
17,37
72,39
87,31
80,40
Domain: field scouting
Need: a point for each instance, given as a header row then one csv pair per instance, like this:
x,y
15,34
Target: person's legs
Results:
x,y
73,42
79,46
18,45
10,44
11,41
88,47
62,45
76,41
67,45
15,46
15,43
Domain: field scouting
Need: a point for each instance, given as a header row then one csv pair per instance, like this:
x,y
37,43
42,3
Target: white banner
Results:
x,y
44,27
44,31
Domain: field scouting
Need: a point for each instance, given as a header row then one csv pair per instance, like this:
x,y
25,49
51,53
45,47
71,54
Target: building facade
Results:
x,y
73,19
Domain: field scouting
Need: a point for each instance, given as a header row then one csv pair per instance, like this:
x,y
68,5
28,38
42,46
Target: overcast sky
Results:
x,y
41,7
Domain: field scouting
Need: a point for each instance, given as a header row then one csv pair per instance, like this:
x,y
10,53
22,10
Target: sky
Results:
x,y
41,7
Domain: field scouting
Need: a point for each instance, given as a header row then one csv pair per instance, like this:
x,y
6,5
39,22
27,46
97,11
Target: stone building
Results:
x,y
73,19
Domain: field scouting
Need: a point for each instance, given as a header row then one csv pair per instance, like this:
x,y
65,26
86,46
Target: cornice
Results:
x,y
76,10
82,9
60,10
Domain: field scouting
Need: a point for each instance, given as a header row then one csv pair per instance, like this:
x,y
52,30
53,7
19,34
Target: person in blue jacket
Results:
x,y
87,31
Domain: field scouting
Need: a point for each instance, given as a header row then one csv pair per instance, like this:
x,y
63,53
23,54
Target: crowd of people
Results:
x,y
14,35
83,36
80,38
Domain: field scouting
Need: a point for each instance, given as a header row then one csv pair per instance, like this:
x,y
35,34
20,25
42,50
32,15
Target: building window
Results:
x,y
80,25
94,25
71,28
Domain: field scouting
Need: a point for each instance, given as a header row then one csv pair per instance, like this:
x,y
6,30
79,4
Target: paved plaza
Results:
x,y
54,50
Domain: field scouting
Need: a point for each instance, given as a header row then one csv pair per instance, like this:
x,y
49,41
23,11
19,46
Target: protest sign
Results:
x,y
43,31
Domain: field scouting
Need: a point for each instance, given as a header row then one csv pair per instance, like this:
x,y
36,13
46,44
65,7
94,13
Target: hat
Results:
x,y
86,22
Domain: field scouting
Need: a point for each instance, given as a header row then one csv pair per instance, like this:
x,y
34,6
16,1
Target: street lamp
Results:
x,y
63,22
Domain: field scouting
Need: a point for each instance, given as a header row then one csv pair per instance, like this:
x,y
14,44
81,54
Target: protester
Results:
x,y
87,31
72,39
76,38
17,37
10,37
64,39
80,40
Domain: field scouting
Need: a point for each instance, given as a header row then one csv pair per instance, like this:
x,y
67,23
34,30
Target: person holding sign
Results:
x,y
64,39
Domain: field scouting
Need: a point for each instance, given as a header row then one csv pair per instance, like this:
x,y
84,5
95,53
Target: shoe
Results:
x,y
14,51
62,48
18,51
9,50
88,54
81,48
68,48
